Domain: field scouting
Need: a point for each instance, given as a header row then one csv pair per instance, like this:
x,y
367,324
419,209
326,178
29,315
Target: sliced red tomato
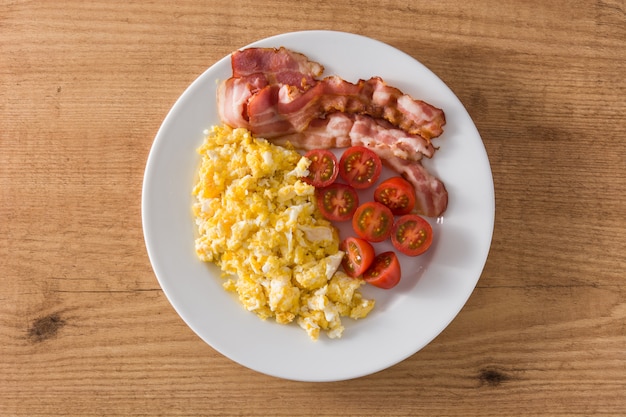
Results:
x,y
324,168
396,193
372,221
384,272
359,256
412,235
337,202
360,167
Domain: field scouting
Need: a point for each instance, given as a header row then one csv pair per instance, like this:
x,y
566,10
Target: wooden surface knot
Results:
x,y
493,377
44,328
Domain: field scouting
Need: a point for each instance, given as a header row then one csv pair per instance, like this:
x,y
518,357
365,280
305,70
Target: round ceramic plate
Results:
x,y
434,286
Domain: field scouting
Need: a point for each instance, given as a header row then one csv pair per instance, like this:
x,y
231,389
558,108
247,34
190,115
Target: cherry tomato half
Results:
x,y
360,167
372,221
384,271
359,256
412,235
324,168
337,202
396,193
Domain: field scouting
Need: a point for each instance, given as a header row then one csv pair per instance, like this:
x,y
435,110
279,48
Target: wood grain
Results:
x,y
84,326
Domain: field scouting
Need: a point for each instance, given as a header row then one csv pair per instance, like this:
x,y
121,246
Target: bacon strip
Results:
x,y
341,130
431,193
280,66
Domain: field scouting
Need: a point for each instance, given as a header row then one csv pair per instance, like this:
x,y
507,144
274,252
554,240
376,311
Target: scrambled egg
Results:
x,y
260,224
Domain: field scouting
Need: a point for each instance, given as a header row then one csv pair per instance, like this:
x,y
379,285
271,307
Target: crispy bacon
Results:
x,y
237,91
276,94
279,109
280,66
431,193
340,130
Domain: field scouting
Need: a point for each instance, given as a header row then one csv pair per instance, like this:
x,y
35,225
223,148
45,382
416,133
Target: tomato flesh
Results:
x,y
412,235
372,221
360,167
384,272
337,202
323,169
359,255
396,193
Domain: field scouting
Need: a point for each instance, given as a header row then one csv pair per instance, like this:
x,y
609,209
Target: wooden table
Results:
x,y
85,328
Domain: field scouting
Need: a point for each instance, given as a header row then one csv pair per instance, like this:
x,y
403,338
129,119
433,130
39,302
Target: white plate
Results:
x,y
434,287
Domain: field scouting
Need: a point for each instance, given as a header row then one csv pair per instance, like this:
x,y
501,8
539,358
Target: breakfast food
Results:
x,y
258,221
264,212
275,105
277,94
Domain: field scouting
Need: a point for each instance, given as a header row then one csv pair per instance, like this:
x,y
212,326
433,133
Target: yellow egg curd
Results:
x,y
259,222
